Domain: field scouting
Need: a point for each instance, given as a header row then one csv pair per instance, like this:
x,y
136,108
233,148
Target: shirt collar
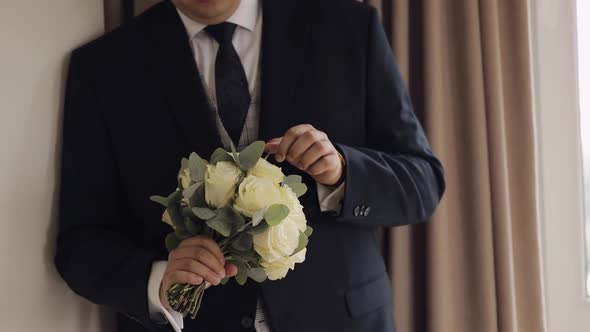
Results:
x,y
246,16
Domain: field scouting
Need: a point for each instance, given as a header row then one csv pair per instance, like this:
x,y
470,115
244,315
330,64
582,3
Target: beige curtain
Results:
x,y
117,12
476,266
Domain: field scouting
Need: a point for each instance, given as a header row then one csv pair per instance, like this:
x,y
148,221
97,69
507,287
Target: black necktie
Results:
x,y
231,84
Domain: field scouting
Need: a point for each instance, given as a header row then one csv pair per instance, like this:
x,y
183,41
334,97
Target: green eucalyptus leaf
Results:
x,y
175,197
275,214
172,199
237,219
250,155
258,217
197,167
207,231
193,227
298,188
182,233
172,241
224,281
235,257
190,191
198,198
187,212
258,274
303,241
234,154
220,224
204,213
244,256
183,166
242,275
160,200
308,231
292,179
243,242
176,217
220,155
255,263
226,220
261,228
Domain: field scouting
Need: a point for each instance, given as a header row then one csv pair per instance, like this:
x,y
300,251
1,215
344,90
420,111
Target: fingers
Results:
x,y
312,155
180,277
230,270
304,143
272,146
176,277
307,148
289,138
205,242
311,151
324,165
198,269
195,260
200,254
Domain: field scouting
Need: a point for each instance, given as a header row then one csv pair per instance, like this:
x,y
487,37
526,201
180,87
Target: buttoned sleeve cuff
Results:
x,y
331,198
158,313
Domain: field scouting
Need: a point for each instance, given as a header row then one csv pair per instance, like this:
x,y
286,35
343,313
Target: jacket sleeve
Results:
x,y
395,179
96,254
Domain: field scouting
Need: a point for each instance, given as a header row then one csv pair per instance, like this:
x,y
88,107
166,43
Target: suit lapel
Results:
x,y
285,40
171,56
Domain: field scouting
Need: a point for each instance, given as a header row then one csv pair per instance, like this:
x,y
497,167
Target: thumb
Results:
x,y
230,270
272,146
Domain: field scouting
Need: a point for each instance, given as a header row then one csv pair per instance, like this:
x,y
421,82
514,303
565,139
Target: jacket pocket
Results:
x,y
369,297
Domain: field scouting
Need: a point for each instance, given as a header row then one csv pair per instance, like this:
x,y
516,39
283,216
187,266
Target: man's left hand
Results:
x,y
311,151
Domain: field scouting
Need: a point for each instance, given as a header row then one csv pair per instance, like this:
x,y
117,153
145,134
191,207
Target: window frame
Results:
x,y
584,138
559,164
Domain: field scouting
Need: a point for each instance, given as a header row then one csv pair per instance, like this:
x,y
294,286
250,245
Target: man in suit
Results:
x,y
317,81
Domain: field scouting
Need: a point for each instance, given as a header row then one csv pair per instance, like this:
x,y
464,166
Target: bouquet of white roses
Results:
x,y
245,204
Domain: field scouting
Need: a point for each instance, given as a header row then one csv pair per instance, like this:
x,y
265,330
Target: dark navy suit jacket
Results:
x,y
135,106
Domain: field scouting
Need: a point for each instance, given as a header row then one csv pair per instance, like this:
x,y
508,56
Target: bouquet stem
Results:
x,y
186,299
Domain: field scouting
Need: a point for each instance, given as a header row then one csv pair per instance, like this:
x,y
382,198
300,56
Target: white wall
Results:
x,y
35,38
553,25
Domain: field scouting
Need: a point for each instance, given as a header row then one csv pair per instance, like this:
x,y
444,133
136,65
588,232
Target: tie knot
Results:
x,y
222,32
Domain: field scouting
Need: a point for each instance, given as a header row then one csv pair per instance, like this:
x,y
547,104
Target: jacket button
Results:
x,y
247,322
357,211
367,211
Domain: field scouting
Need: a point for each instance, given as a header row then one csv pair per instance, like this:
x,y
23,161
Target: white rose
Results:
x,y
279,268
166,218
256,193
185,178
220,183
289,198
277,241
264,169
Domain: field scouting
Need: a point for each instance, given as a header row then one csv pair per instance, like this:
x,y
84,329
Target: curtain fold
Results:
x,y
476,266
116,12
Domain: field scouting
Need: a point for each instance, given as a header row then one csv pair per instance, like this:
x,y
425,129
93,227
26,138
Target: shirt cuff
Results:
x,y
158,313
331,198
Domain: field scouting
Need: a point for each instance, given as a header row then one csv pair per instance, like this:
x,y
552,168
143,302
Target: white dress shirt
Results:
x,y
247,41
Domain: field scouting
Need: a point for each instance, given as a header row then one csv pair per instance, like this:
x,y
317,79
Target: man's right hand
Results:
x,y
195,260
